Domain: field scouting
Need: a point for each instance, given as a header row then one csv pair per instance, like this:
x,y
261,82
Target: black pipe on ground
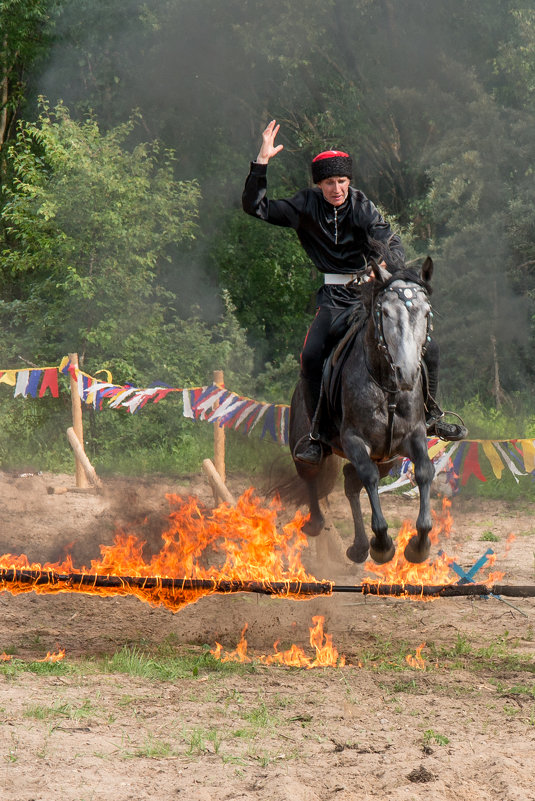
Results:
x,y
87,582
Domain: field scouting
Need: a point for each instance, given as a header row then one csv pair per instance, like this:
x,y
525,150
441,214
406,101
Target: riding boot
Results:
x,y
435,425
310,449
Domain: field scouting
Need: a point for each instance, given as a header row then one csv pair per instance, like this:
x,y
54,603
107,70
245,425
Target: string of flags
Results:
x,y
215,404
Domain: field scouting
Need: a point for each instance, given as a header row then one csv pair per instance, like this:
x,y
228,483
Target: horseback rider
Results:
x,y
340,229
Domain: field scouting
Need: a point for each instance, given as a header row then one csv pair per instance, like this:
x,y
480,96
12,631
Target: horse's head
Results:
x,y
402,319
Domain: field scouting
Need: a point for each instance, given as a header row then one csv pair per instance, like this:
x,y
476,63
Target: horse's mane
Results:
x,y
392,255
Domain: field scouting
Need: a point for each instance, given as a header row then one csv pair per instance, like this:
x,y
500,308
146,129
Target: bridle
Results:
x,y
408,295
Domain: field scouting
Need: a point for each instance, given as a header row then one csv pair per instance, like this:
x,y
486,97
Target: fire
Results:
x,y
246,542
238,655
5,657
53,657
399,571
326,655
417,661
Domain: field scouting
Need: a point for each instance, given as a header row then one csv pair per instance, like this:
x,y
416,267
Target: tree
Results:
x,y
25,34
434,101
90,223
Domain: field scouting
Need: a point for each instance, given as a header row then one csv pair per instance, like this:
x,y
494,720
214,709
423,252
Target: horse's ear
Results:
x,y
379,273
427,269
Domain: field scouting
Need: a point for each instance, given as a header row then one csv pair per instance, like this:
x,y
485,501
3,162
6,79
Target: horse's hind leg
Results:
x,y
316,522
418,547
358,551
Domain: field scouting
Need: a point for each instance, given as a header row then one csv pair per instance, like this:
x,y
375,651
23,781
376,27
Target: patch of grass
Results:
x,y
135,662
260,717
385,654
489,536
432,737
197,741
497,655
12,754
515,689
152,748
233,696
66,710
405,686
232,759
15,667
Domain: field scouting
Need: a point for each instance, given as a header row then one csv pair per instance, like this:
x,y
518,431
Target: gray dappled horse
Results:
x,y
380,413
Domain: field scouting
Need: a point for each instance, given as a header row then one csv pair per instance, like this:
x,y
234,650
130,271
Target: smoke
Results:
x,y
404,87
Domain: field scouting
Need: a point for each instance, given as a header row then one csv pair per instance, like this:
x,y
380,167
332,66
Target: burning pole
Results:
x,y
49,580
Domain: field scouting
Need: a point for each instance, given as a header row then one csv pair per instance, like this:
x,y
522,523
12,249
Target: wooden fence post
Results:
x,y
219,433
76,403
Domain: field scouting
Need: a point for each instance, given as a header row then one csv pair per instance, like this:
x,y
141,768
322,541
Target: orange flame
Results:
x,y
246,541
326,654
5,657
417,661
399,571
53,657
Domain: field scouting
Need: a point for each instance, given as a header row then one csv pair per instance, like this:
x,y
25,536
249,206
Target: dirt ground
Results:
x,y
462,728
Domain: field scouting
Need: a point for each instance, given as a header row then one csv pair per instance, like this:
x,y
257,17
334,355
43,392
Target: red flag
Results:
x,y
471,464
50,381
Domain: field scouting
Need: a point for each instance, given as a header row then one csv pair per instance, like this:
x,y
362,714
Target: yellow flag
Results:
x,y
493,456
9,377
528,452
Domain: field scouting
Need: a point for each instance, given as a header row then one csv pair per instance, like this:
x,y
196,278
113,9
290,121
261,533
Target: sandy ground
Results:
x,y
463,728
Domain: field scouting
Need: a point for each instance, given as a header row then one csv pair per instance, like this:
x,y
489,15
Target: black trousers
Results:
x,y
318,344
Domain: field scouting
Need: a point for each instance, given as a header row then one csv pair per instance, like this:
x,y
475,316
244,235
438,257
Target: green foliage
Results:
x,y
271,282
111,251
89,224
489,536
135,662
25,27
432,737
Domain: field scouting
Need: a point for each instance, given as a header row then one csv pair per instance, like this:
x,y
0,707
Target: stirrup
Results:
x,y
449,432
311,452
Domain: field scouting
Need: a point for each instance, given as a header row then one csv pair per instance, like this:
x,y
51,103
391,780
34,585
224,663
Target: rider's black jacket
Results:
x,y
338,239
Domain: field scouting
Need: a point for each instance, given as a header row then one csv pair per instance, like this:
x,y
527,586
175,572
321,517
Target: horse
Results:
x,y
379,415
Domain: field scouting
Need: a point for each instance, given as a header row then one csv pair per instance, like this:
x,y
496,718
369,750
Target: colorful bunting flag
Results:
x,y
218,405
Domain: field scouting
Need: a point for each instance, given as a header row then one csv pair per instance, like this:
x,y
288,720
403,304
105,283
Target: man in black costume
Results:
x,y
340,229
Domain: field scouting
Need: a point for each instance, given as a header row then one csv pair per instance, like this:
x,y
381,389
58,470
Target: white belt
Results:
x,y
338,278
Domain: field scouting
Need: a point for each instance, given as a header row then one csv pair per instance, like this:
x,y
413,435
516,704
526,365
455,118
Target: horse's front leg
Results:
x,y
382,548
418,547
359,549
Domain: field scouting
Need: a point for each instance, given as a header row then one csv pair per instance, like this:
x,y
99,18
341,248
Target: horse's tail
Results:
x,y
291,489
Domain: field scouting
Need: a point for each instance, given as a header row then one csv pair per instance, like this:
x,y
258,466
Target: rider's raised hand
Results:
x,y
269,148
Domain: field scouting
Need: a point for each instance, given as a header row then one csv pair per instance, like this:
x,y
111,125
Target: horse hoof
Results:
x,y
313,528
357,555
382,555
417,552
